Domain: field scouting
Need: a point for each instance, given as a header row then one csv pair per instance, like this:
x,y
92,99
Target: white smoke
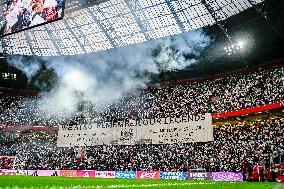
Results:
x,y
30,68
105,77
173,50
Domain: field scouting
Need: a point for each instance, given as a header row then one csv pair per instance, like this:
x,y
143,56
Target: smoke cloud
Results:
x,y
30,68
181,51
105,77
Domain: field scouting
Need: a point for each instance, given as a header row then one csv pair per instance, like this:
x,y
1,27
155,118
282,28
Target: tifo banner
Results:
x,y
198,176
184,129
227,176
148,175
172,175
125,174
86,173
105,174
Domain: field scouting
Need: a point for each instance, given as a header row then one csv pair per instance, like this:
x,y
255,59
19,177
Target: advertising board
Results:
x,y
198,176
227,176
68,173
172,175
104,174
125,174
148,175
86,173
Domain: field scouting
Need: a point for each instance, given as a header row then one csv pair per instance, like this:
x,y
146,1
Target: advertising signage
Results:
x,y
214,176
173,175
148,175
199,176
125,174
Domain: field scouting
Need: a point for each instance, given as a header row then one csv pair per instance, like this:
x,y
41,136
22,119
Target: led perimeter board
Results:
x,y
18,15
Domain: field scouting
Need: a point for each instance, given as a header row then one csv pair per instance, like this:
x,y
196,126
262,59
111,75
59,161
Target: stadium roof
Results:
x,y
89,26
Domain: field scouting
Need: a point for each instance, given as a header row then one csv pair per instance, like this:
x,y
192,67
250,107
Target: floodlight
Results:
x,y
75,79
235,47
74,76
241,44
78,80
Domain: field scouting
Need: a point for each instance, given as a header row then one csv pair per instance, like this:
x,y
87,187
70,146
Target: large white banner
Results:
x,y
184,129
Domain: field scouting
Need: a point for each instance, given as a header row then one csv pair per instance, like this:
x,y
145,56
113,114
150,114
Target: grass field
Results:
x,y
25,182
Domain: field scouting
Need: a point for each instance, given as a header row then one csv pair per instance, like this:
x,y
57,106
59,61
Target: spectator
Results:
x,y
232,144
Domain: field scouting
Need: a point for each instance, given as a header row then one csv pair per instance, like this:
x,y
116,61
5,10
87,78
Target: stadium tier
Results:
x,y
228,95
259,142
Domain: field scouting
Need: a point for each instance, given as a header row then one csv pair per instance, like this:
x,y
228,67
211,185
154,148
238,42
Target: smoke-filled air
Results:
x,y
95,81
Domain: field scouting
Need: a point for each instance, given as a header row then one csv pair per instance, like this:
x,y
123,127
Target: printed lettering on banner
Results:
x,y
68,173
148,175
86,173
23,172
172,175
47,173
8,172
168,130
104,174
227,176
125,174
199,176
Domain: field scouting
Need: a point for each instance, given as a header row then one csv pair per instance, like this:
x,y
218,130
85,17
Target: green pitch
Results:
x,y
25,182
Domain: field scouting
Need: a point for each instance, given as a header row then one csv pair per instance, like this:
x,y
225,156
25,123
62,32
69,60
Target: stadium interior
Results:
x,y
113,62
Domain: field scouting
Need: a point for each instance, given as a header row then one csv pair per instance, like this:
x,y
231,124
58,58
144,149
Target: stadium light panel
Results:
x,y
117,23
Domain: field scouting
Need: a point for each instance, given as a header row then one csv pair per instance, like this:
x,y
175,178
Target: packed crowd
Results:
x,y
230,93
258,142
233,92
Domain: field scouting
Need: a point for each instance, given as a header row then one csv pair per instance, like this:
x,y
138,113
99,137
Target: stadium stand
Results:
x,y
224,94
126,89
259,142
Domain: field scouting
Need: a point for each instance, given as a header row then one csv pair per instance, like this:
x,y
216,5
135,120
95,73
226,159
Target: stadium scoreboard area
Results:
x,y
115,23
19,15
